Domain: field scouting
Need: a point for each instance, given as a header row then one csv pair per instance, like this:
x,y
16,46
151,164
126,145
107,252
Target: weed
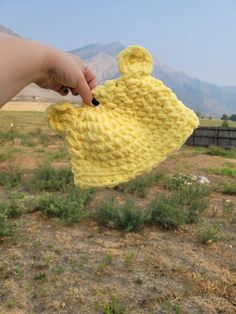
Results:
x,y
43,138
46,178
227,188
12,208
129,258
107,260
3,223
37,244
59,270
140,184
227,207
218,151
58,155
40,276
106,212
125,216
10,179
167,212
138,280
3,156
192,197
10,303
113,307
208,235
69,208
19,273
224,171
129,218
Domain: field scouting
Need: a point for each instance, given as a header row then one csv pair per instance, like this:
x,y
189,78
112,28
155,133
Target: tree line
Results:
x,y
225,117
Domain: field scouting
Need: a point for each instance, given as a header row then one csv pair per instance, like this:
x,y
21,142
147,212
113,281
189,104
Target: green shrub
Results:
x,y
129,218
3,223
14,209
208,235
184,206
46,178
69,208
140,184
227,188
106,212
113,307
125,216
10,178
167,212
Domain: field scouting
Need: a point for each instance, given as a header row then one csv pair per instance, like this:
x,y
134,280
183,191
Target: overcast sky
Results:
x,y
197,37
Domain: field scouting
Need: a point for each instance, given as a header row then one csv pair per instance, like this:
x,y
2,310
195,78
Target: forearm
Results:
x,y
21,63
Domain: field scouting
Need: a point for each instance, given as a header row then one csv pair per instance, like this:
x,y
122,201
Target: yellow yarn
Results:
x,y
138,123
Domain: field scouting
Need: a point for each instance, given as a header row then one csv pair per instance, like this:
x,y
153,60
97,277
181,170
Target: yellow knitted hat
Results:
x,y
138,123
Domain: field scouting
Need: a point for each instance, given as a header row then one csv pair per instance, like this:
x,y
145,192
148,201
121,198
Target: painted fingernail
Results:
x,y
76,94
65,91
95,102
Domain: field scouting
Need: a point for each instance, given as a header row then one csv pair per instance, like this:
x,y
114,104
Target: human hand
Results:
x,y
67,72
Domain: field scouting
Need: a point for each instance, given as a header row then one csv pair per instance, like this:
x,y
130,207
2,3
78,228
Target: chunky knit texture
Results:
x,y
138,123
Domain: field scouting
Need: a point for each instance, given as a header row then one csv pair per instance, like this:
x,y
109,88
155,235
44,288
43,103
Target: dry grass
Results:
x,y
47,267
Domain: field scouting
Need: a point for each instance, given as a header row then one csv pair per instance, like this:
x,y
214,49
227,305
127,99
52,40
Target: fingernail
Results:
x,y
95,102
65,91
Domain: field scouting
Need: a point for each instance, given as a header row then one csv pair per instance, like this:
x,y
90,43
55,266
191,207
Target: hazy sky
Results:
x,y
194,36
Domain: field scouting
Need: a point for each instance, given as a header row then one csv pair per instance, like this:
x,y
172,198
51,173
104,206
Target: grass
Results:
x,y
166,212
10,178
113,307
69,208
223,171
185,205
218,151
47,178
208,235
227,188
125,216
140,185
58,155
215,122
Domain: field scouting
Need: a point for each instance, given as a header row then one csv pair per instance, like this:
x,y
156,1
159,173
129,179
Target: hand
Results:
x,y
25,61
67,72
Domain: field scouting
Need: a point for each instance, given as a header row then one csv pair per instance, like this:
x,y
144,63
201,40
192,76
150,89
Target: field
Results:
x,y
163,243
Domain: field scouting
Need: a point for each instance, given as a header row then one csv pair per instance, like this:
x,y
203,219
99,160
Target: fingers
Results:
x,y
84,90
90,78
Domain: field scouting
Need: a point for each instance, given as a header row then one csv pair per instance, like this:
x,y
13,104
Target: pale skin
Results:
x,y
25,61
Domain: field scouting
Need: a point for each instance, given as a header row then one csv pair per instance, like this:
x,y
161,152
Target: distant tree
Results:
x,y
232,117
224,117
225,123
210,117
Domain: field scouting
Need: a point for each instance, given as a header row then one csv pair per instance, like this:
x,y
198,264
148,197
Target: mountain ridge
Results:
x,y
202,96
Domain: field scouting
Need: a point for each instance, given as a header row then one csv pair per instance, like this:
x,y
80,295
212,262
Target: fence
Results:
x,y
218,136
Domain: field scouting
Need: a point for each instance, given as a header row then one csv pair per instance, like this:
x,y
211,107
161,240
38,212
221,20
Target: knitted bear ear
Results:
x,y
135,59
59,116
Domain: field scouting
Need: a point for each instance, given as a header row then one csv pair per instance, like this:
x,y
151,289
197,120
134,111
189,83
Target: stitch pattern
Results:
x,y
137,125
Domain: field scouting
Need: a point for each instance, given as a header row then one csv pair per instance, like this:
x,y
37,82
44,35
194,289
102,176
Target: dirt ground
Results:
x,y
49,268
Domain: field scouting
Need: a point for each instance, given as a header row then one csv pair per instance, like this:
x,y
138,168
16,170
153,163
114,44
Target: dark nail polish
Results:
x,y
65,91
95,102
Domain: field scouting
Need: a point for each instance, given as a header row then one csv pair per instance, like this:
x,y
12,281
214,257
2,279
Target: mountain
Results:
x,y
204,97
7,31
201,96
